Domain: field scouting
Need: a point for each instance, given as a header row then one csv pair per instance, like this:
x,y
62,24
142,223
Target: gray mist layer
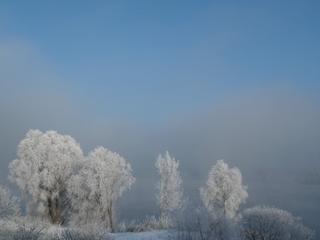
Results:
x,y
273,136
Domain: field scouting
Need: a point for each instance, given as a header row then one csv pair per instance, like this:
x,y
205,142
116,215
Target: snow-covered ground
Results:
x,y
153,235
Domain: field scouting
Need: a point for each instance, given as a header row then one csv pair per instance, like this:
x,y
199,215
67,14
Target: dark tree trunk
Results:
x,y
55,209
110,215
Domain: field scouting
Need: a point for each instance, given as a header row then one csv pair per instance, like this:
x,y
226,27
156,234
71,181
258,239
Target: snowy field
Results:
x,y
152,235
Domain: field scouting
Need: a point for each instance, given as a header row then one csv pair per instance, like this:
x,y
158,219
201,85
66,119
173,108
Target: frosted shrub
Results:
x,y
9,205
150,223
23,233
200,225
22,228
62,233
268,223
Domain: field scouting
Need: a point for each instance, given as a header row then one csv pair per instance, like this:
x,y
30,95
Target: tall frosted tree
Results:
x,y
170,192
98,186
224,191
42,170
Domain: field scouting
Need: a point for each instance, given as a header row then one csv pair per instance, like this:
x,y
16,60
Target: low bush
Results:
x,y
150,223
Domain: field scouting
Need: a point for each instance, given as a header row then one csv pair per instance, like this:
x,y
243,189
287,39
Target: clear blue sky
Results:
x,y
168,57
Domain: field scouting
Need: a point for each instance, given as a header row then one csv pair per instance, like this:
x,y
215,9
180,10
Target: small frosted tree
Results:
x,y
270,223
9,205
42,170
224,191
98,186
170,195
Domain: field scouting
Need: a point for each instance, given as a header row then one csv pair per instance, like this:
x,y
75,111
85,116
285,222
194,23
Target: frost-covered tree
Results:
x,y
97,187
42,170
170,195
268,223
9,205
224,191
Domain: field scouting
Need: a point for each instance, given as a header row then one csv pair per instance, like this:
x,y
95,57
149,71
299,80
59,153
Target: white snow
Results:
x,y
152,235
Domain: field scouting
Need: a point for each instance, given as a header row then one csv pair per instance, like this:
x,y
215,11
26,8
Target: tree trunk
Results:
x,y
54,210
110,215
50,210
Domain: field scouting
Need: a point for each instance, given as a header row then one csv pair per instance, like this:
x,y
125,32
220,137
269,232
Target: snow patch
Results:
x,y
152,235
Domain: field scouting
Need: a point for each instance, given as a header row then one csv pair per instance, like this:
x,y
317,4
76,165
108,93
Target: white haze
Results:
x,y
272,136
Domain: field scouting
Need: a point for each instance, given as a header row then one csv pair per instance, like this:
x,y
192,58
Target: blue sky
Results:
x,y
148,59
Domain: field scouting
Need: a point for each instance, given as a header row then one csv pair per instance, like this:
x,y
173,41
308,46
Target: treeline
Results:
x,y
63,186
